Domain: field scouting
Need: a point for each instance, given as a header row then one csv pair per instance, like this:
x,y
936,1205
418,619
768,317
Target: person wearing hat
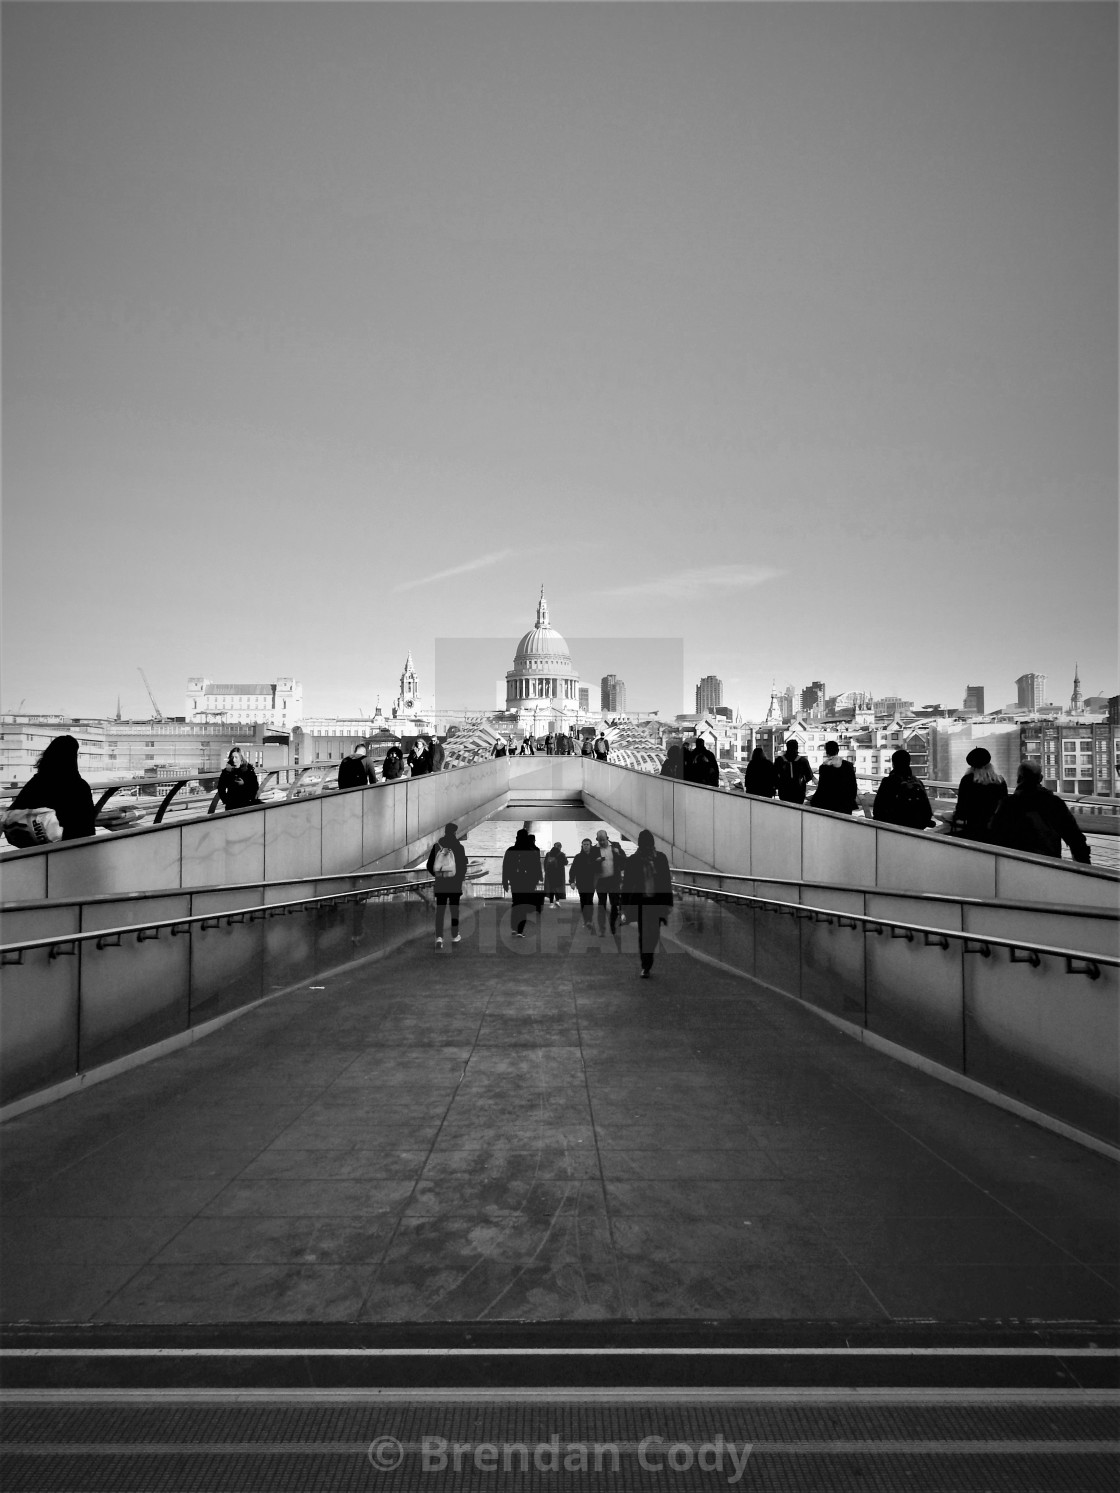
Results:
x,y
447,865
979,794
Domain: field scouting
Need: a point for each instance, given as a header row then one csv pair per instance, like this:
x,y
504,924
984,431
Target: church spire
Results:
x,y
1076,703
542,609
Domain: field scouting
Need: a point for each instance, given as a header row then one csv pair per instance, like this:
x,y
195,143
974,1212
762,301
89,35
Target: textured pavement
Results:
x,y
528,1131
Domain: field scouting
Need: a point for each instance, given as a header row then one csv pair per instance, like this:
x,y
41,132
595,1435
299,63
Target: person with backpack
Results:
x,y
522,874
793,775
608,858
901,798
647,884
586,749
355,770
837,790
1036,820
602,748
447,865
705,768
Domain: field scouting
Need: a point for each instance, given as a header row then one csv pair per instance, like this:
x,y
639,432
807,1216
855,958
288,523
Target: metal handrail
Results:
x,y
60,944
190,891
876,891
1077,960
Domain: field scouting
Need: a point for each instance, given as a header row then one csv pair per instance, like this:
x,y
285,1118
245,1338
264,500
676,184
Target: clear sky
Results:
x,y
331,330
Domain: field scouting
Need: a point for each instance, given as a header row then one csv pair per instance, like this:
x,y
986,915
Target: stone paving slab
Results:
x,y
518,1134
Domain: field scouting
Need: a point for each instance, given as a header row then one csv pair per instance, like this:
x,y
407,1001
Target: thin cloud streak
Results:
x,y
441,575
693,584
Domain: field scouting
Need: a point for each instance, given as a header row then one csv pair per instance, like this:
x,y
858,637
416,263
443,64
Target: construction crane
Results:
x,y
148,687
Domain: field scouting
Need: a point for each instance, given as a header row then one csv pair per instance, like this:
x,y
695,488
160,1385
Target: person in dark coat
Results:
x,y
609,859
688,760
979,794
57,784
705,768
237,786
393,765
436,755
837,790
582,877
901,798
500,749
418,760
760,776
673,766
647,885
1037,821
522,874
555,864
794,775
447,865
355,771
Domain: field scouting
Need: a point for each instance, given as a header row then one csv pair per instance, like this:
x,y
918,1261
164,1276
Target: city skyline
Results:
x,y
788,330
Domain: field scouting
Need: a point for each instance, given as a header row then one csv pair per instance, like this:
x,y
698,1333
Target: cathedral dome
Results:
x,y
542,649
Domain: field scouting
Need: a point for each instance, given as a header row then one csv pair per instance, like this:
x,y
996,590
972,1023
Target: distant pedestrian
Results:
x,y
688,760
436,755
57,786
647,885
1037,821
355,771
582,877
794,775
837,790
586,749
609,858
237,785
760,776
602,747
522,875
393,765
550,745
979,794
500,749
673,766
447,864
901,798
555,866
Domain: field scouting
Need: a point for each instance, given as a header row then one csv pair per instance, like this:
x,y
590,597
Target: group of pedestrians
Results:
x,y
635,888
357,770
692,762
554,744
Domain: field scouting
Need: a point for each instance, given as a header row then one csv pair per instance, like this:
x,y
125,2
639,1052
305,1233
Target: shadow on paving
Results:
x,y
514,1131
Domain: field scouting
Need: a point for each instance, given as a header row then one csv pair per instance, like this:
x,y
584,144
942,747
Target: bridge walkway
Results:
x,y
507,1131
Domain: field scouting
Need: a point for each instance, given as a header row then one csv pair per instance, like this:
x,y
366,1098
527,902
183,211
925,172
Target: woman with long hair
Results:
x,y
58,785
237,786
980,793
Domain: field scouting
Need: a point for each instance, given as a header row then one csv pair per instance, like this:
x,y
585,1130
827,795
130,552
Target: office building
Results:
x,y
612,692
709,694
1032,691
974,699
813,696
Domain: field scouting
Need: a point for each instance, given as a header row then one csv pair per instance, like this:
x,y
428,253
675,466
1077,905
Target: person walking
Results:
x,y
688,760
56,784
794,775
393,765
582,877
1036,820
647,884
609,859
355,771
602,748
555,864
586,749
760,776
500,749
418,761
522,874
550,744
901,798
447,865
837,789
980,794
437,756
237,785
